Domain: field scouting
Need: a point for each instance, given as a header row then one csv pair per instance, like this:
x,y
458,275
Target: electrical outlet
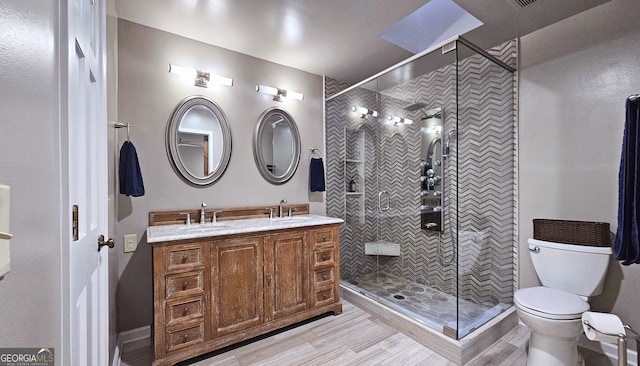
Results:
x,y
130,243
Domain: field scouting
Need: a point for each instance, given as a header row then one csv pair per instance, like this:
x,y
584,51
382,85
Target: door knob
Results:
x,y
110,243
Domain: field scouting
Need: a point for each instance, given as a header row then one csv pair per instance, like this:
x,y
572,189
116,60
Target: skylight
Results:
x,y
433,23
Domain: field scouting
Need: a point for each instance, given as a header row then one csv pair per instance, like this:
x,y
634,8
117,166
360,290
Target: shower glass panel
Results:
x,y
484,152
444,278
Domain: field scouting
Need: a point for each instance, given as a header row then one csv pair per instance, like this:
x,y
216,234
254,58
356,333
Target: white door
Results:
x,y
88,307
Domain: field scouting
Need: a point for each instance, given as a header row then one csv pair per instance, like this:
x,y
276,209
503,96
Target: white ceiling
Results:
x,y
337,38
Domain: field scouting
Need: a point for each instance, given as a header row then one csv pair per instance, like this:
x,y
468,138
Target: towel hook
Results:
x,y
315,151
121,125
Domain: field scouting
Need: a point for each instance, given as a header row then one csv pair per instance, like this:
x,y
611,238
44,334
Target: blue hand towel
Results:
x,y
130,175
627,246
316,175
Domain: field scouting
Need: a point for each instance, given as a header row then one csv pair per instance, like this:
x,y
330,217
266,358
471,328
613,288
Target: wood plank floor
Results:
x,y
352,338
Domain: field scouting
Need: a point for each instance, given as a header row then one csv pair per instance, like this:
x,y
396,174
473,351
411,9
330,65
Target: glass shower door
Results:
x,y
484,151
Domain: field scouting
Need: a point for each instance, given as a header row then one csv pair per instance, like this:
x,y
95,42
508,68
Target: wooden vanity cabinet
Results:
x,y
212,293
286,274
326,270
236,285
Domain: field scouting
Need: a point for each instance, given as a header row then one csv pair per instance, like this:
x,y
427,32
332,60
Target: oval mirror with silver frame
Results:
x,y
198,141
276,146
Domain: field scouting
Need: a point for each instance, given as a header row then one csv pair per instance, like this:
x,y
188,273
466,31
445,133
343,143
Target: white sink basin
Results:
x,y
205,227
291,219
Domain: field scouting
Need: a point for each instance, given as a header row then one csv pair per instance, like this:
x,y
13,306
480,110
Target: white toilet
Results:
x,y
569,275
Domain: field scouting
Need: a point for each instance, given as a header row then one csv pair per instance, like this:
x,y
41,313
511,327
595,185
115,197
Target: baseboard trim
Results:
x,y
608,349
128,337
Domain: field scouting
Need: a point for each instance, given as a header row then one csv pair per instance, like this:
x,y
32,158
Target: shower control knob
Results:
x,y
423,178
423,162
437,163
437,193
424,193
437,179
424,207
431,182
430,173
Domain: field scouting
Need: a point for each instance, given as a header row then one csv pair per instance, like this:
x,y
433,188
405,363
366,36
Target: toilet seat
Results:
x,y
550,303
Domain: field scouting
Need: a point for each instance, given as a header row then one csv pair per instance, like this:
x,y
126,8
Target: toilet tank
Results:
x,y
576,269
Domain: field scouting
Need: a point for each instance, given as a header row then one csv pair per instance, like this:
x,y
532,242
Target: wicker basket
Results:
x,y
594,234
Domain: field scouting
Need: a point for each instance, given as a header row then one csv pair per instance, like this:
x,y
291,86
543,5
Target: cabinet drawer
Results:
x,y
322,276
185,337
183,310
323,257
183,257
184,284
324,296
323,237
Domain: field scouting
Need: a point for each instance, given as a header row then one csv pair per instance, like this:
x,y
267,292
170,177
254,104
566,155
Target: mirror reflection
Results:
x,y
199,141
276,146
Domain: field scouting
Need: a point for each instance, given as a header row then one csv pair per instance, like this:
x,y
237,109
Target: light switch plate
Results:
x,y
130,243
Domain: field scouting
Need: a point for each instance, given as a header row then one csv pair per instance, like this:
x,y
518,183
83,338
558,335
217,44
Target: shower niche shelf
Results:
x,y
354,173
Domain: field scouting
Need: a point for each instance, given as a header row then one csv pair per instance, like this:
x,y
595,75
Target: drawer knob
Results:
x,y
324,238
185,337
324,296
185,285
184,258
185,311
324,276
325,257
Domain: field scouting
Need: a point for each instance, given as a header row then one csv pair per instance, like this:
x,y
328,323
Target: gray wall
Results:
x,y
148,94
575,79
31,294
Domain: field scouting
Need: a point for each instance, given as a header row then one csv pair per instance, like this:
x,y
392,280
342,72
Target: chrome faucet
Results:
x,y
281,209
214,220
202,212
188,219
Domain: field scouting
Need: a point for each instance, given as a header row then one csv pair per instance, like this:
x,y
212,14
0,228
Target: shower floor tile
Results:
x,y
432,307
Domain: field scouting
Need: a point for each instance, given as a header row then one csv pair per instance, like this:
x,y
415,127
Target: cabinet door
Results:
x,y
286,274
236,281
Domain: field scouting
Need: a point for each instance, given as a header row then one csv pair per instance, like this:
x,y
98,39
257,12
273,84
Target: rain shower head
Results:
x,y
414,106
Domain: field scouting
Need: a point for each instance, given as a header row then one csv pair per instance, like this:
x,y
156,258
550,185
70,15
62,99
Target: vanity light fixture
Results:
x,y
364,111
201,78
278,93
395,120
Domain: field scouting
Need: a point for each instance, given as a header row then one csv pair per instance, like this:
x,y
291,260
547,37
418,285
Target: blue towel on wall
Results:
x,y
316,175
130,176
627,246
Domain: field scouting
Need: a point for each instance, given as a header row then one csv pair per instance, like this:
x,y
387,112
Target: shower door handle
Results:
x,y
380,194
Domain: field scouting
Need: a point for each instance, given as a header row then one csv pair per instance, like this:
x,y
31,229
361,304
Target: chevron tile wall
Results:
x,y
476,261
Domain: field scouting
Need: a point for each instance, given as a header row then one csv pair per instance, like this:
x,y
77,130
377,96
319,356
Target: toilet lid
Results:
x,y
550,303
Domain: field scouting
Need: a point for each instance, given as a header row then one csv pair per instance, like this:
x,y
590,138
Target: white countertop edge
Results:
x,y
164,233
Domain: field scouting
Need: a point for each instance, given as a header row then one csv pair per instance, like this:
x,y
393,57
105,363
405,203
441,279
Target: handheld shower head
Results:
x,y
447,141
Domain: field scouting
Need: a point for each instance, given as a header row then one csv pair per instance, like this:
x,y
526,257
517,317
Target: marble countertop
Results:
x,y
164,233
